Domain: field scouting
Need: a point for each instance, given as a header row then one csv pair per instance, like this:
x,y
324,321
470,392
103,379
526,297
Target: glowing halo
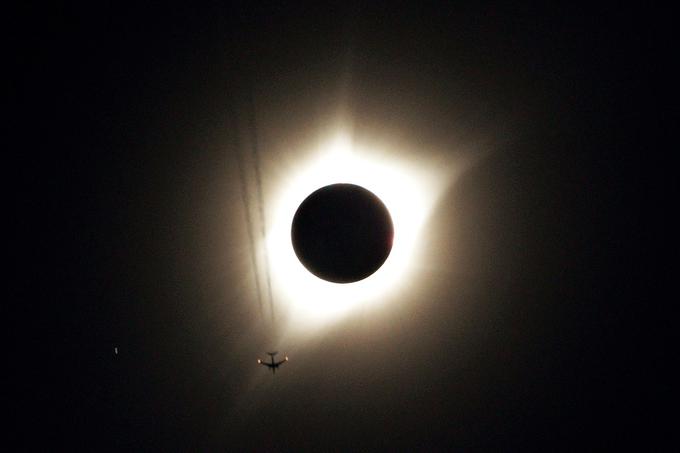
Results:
x,y
409,193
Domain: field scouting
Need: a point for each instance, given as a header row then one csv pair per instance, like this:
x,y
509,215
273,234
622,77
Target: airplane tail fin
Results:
x,y
273,353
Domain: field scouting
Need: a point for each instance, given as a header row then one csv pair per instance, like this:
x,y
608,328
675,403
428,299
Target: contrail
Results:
x,y
260,199
246,206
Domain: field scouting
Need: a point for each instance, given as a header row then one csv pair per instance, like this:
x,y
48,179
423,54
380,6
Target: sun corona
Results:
x,y
407,190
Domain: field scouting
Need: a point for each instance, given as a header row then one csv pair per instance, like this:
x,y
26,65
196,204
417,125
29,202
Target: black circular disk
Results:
x,y
342,233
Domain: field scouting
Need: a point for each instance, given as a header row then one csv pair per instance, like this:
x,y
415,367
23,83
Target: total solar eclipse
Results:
x,y
342,233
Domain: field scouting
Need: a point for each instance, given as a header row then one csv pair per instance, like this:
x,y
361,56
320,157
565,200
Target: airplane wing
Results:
x,y
282,361
268,365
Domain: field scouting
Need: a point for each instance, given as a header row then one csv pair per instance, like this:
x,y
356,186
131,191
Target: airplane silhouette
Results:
x,y
272,365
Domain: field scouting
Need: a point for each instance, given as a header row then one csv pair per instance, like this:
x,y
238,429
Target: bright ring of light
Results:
x,y
408,192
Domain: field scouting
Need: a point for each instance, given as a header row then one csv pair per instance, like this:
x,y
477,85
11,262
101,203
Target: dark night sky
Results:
x,y
529,329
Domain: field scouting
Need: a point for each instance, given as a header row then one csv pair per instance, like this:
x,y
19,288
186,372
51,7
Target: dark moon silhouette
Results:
x,y
342,233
